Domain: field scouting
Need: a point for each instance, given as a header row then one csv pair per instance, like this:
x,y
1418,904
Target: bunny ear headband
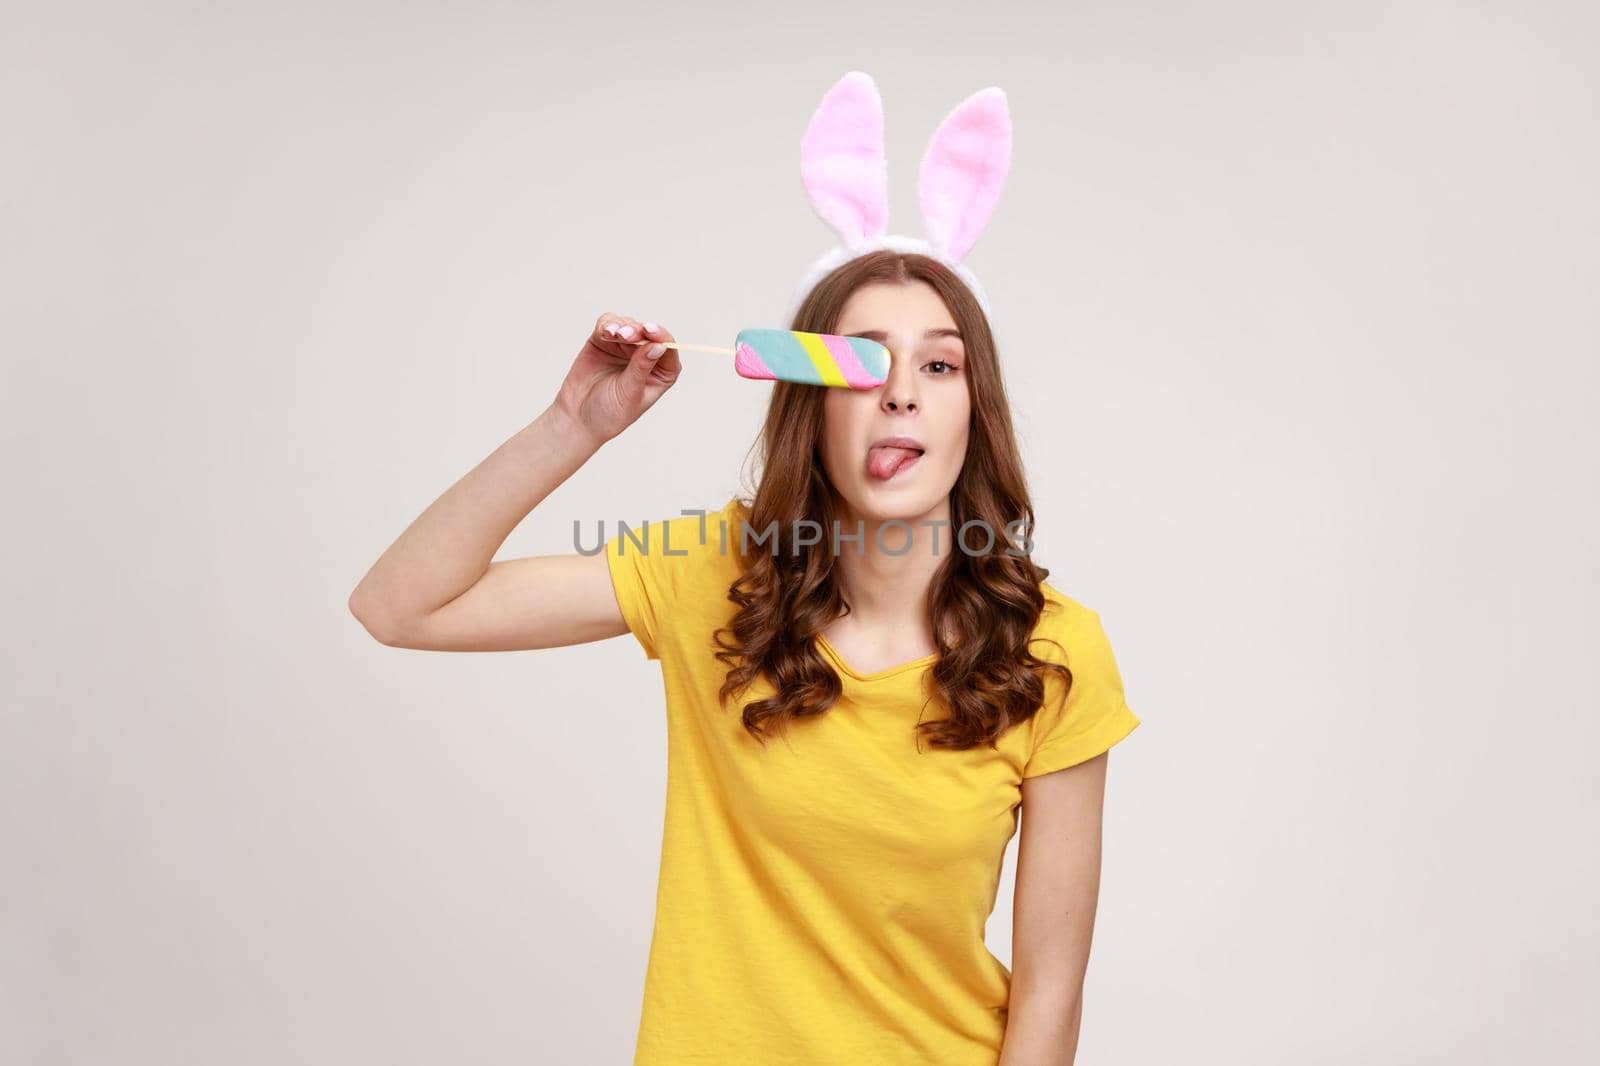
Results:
x,y
963,170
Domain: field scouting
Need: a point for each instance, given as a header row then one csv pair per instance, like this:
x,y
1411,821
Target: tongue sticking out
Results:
x,y
886,462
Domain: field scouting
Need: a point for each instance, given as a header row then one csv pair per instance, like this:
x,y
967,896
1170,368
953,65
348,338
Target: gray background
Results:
x,y
1297,305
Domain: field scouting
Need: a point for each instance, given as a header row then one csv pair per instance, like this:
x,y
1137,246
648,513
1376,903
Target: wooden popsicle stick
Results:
x,y
676,344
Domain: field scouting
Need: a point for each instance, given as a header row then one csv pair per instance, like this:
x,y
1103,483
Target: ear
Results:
x,y
841,160
964,170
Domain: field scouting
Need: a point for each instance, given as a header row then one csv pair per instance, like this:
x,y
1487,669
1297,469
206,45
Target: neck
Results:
x,y
886,580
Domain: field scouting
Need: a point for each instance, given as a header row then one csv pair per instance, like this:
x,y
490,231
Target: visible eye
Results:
x,y
949,368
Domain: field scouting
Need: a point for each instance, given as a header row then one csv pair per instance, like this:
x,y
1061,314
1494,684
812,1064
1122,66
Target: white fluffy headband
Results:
x,y
845,175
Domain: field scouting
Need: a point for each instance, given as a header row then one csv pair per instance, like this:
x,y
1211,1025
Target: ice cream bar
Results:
x,y
807,358
810,358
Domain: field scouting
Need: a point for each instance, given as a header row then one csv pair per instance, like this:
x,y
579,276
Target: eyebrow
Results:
x,y
933,334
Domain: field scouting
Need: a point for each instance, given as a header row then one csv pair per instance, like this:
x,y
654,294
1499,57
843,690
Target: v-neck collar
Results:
x,y
838,660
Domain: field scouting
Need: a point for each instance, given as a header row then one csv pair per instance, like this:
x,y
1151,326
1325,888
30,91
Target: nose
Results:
x,y
899,391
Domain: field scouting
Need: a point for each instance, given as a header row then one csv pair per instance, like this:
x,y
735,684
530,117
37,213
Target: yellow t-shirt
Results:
x,y
823,901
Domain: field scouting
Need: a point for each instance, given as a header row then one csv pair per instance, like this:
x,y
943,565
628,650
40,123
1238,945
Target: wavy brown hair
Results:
x,y
983,607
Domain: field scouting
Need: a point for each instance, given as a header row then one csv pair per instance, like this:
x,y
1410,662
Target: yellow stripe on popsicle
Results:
x,y
827,369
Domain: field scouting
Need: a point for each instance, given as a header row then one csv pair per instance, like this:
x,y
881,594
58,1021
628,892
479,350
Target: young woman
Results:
x,y
851,732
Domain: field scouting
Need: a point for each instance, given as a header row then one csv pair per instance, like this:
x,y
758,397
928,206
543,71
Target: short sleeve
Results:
x,y
651,566
1095,715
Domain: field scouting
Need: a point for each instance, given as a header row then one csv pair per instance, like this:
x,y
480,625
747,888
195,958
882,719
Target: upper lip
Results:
x,y
898,442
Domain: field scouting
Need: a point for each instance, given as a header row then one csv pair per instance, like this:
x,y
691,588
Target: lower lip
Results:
x,y
902,469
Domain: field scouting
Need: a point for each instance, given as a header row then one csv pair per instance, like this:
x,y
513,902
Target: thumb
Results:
x,y
642,364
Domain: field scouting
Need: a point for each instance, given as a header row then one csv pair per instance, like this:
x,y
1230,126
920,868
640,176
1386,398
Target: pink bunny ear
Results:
x,y
841,160
964,170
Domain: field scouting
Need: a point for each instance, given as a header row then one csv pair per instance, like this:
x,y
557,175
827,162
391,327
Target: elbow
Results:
x,y
378,624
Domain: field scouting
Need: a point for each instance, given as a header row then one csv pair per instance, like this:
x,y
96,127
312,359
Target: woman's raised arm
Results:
x,y
437,586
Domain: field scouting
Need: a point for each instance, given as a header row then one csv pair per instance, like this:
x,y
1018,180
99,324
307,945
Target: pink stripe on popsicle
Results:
x,y
746,363
849,364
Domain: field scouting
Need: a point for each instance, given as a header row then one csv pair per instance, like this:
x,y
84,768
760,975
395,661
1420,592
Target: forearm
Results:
x,y
1042,1025
451,544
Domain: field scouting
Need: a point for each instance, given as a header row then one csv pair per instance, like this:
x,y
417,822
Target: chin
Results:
x,y
882,501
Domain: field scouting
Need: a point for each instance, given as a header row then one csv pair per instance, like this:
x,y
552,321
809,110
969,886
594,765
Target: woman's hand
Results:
x,y
614,380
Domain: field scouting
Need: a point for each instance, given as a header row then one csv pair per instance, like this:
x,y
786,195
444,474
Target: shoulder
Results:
x,y
692,532
1094,715
672,575
1066,626
698,545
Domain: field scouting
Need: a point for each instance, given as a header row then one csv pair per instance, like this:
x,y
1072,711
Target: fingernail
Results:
x,y
627,331
651,327
611,328
656,351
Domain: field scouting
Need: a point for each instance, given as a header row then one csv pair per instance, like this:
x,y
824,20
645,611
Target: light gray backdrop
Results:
x,y
1297,304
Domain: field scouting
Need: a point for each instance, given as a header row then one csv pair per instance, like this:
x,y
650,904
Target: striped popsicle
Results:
x,y
810,358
